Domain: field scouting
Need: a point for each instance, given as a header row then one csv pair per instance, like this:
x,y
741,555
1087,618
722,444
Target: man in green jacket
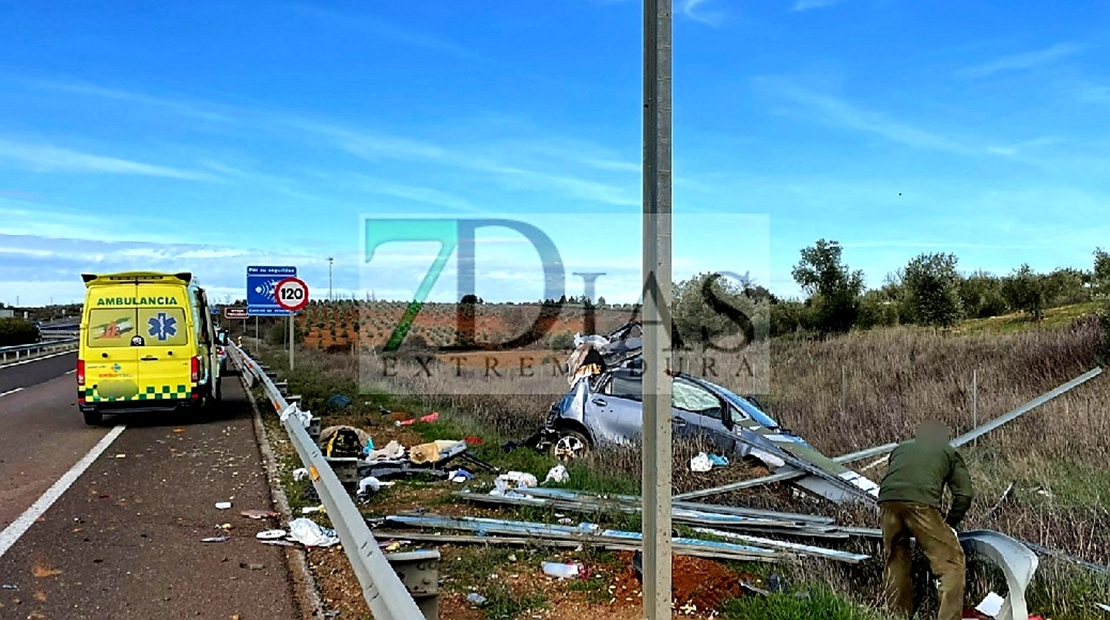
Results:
x,y
910,506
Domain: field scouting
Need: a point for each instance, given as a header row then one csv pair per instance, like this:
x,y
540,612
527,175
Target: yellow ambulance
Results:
x,y
147,345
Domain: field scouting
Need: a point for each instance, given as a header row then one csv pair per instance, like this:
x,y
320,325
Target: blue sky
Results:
x,y
211,136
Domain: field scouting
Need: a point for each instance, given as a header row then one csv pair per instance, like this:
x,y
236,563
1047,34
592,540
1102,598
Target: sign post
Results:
x,y
291,294
261,301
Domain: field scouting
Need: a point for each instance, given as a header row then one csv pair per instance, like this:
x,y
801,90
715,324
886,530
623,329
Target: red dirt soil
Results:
x,y
702,585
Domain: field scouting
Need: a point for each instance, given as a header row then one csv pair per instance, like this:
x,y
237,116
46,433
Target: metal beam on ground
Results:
x,y
793,473
656,463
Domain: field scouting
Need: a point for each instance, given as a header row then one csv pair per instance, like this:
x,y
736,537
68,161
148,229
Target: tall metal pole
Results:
x,y
291,343
656,464
330,259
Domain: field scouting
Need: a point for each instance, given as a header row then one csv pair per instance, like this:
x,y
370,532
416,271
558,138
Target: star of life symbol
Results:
x,y
162,326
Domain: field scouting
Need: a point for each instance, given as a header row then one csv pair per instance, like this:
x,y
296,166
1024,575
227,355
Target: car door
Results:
x,y
698,412
614,411
111,363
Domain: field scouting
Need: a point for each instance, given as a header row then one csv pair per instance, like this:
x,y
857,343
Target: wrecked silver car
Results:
x,y
604,406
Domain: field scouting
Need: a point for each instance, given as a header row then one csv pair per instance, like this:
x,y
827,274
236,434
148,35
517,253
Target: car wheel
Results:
x,y
93,418
570,445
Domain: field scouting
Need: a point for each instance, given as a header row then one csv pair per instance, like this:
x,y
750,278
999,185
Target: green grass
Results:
x,y
1053,317
815,604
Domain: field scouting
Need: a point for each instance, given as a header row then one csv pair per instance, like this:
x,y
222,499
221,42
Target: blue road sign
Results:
x,y
261,282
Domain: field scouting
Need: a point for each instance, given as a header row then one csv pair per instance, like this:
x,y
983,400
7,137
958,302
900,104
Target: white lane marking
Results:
x,y
19,527
9,392
38,359
72,371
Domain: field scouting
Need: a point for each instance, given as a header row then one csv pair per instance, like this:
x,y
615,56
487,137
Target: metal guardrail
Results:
x,y
30,350
382,587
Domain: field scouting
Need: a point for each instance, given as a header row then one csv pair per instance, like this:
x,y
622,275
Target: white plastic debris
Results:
x,y
369,485
475,598
300,474
307,510
701,463
520,478
310,534
562,571
270,535
223,505
391,452
295,411
991,605
505,483
557,474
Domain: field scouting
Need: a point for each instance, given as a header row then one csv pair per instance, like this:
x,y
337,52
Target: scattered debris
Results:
x,y
562,571
339,401
259,514
436,451
557,474
343,441
517,479
431,417
991,605
307,510
9,586
460,475
215,539
121,456
475,598
252,566
369,485
271,535
223,505
300,474
701,463
391,452
310,534
42,571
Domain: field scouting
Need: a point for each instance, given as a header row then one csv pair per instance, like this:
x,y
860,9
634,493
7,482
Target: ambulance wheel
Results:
x,y
93,418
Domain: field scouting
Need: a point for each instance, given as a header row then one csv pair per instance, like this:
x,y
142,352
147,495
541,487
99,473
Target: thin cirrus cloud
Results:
x,y
808,5
373,28
699,12
50,158
841,113
1023,61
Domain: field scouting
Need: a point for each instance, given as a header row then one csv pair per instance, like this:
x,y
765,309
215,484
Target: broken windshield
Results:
x,y
749,409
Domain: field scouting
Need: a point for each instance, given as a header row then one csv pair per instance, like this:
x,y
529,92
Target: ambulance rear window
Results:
x,y
111,327
126,327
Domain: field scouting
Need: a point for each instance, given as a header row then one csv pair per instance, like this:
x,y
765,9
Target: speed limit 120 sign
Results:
x,y
291,294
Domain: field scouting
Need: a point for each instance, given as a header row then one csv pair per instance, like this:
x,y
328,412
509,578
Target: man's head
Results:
x,y
933,432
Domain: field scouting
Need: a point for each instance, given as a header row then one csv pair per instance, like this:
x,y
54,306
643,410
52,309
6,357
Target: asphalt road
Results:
x,y
124,541
27,373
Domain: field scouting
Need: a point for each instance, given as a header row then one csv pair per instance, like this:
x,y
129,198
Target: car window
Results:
x,y
623,385
690,397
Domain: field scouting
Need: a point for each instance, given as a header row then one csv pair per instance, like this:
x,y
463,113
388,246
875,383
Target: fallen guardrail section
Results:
x,y
389,581
25,351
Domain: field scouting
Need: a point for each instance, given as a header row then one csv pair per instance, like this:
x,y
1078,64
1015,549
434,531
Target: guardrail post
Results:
x,y
346,469
419,571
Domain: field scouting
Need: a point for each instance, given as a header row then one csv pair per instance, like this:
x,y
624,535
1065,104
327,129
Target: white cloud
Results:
x,y
807,5
841,113
49,158
695,10
1023,61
